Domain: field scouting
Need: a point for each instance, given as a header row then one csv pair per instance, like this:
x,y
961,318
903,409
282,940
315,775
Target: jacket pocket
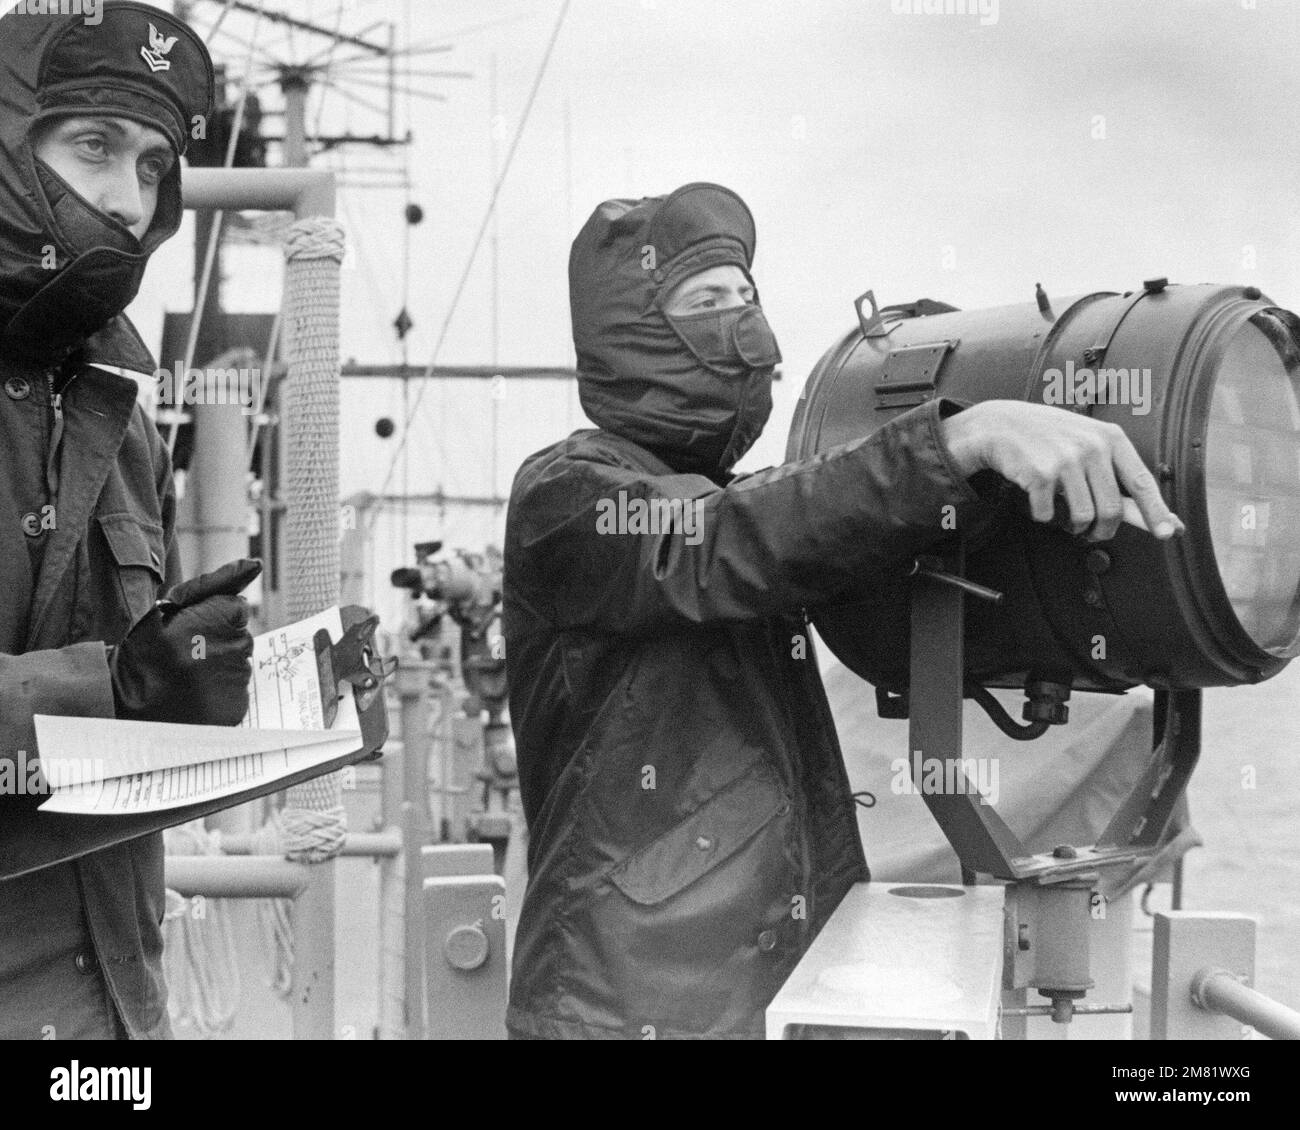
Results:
x,y
705,839
137,550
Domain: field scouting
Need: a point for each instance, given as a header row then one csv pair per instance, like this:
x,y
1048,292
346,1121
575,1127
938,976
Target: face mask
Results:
x,y
103,276
737,349
751,416
82,226
729,342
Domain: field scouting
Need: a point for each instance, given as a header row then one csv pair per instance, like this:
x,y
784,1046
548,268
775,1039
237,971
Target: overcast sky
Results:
x,y
1086,144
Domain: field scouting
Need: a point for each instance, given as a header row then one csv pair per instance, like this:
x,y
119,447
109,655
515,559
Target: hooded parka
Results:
x,y
87,509
690,820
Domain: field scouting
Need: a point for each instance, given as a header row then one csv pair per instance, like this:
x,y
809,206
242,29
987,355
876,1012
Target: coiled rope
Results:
x,y
199,956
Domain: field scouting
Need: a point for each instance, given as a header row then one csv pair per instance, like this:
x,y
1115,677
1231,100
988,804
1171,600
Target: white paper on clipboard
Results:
x,y
105,766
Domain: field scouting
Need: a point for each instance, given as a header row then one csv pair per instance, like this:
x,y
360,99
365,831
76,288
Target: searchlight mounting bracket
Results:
x,y
982,840
1051,895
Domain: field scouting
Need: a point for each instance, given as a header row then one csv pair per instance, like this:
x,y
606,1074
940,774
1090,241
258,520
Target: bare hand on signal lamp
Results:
x,y
1049,452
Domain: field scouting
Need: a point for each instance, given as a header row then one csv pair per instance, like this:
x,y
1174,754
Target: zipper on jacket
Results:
x,y
56,438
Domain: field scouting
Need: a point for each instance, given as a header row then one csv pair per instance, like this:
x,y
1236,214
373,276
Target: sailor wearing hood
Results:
x,y
691,827
691,824
94,118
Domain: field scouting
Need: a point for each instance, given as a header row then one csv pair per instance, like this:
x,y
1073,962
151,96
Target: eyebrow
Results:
x,y
713,288
112,126
73,124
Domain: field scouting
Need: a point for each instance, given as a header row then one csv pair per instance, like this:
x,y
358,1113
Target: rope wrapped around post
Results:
x,y
313,820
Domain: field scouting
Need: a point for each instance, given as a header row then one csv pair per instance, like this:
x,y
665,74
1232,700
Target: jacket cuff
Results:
x,y
72,681
933,413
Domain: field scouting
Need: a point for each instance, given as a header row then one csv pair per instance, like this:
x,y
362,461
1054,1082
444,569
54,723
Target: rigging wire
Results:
x,y
221,18
252,67
370,72
263,50
218,219
350,96
376,84
324,72
436,46
478,242
407,227
496,291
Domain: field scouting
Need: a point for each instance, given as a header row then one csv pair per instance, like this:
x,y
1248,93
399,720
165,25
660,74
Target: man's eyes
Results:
x,y
153,169
710,303
96,148
94,144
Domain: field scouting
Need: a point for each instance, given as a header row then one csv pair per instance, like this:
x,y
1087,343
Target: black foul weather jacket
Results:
x,y
691,825
87,508
80,942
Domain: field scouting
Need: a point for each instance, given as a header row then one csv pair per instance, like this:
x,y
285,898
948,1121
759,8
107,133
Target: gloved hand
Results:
x,y
160,671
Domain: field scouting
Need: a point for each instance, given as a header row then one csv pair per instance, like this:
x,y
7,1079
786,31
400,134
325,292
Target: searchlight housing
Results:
x,y
1204,380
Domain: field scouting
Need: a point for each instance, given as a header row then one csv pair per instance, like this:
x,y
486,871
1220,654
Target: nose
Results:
x,y
121,199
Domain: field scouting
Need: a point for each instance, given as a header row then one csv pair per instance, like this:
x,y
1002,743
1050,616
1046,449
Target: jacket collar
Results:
x,y
119,345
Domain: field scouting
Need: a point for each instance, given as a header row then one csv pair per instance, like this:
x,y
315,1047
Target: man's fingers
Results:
x,y
1145,493
229,580
1046,451
221,616
1042,501
1106,499
1079,498
1132,515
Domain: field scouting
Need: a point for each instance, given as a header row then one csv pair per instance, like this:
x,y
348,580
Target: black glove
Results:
x,y
162,673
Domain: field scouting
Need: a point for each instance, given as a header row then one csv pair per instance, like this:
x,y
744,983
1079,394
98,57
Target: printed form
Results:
x,y
105,766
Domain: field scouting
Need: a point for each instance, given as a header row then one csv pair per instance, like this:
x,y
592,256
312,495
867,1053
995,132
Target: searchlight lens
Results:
x,y
1252,481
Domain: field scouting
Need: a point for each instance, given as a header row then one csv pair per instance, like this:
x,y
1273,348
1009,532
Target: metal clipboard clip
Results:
x,y
353,663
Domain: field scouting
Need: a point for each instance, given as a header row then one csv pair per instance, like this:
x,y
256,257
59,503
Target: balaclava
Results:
x,y
135,62
694,389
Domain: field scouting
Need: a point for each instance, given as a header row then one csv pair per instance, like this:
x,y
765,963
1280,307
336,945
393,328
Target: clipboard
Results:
x,y
31,840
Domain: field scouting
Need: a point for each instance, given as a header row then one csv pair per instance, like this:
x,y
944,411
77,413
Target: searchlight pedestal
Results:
x,y
1023,606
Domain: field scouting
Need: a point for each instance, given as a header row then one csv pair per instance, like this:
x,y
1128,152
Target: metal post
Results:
x,y
464,927
392,900
354,547
385,844
312,915
295,86
308,194
305,192
413,678
250,876
1218,990
983,842
218,500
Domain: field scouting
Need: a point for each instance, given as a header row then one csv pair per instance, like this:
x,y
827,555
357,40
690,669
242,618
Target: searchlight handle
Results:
x,y
933,567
